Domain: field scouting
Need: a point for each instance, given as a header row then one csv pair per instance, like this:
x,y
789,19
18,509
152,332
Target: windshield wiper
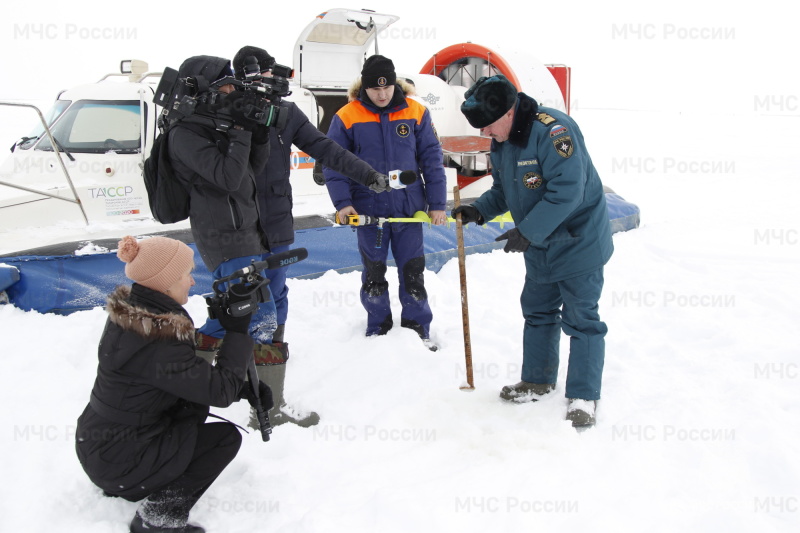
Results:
x,y
22,141
61,147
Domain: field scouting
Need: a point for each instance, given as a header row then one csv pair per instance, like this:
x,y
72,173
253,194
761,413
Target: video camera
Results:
x,y
260,104
276,85
239,293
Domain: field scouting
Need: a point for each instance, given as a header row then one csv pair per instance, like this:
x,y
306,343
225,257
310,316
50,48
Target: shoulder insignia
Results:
x,y
557,130
544,118
563,146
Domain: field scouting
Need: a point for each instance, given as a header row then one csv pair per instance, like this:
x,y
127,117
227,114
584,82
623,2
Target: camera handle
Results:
x,y
262,414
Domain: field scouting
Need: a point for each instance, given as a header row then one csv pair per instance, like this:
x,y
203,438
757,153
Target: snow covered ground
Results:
x,y
698,426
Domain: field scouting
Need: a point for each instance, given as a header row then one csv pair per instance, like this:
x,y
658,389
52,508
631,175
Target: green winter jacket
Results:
x,y
545,177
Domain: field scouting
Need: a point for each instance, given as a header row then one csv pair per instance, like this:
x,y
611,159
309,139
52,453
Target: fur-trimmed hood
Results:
x,y
151,325
355,89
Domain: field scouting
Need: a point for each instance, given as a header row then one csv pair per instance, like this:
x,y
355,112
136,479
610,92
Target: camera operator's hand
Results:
x,y
264,396
260,134
239,106
237,324
379,182
469,213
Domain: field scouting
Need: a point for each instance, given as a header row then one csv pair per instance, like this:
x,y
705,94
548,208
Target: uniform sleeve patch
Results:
x,y
557,130
545,119
532,180
563,146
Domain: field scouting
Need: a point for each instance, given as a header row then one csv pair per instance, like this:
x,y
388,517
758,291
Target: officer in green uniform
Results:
x,y
543,174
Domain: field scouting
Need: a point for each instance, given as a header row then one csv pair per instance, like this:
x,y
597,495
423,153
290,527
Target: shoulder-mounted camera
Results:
x,y
254,102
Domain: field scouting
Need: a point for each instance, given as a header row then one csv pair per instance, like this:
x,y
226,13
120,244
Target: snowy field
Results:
x,y
698,423
697,427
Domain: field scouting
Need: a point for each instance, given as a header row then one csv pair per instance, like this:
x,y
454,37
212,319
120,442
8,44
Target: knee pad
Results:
x,y
413,278
375,283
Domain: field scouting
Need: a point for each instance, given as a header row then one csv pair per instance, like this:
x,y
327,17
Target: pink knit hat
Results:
x,y
156,262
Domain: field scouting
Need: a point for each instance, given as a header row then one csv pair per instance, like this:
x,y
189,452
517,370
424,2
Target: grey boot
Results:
x,y
274,377
524,392
581,412
165,511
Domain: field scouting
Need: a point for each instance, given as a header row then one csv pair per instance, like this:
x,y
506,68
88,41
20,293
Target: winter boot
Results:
x,y
383,329
524,392
206,346
430,344
426,340
138,525
274,377
581,412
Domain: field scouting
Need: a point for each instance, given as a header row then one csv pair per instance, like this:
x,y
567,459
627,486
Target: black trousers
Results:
x,y
169,506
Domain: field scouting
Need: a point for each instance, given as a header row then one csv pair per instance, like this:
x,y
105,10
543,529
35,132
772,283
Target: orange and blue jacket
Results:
x,y
401,137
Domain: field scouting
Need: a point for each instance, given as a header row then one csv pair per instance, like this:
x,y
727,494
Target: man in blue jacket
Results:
x,y
545,177
391,132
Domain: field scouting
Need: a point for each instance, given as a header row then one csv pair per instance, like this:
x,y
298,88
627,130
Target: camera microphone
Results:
x,y
286,258
272,262
400,179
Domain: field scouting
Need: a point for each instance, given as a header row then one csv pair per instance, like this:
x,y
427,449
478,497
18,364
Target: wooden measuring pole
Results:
x,y
462,271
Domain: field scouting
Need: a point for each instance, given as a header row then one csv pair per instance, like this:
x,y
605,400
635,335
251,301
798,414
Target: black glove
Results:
x,y
378,182
516,241
245,109
260,135
238,324
264,396
469,213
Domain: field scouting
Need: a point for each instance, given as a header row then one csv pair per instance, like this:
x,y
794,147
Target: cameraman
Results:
x,y
143,435
218,150
275,204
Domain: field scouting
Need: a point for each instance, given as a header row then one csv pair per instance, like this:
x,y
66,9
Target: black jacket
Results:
x,y
139,430
275,190
221,169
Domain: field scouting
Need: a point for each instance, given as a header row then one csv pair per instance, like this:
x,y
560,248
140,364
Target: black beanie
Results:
x,y
488,100
378,71
265,61
209,67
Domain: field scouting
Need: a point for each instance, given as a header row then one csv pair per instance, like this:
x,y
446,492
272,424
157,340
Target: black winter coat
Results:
x,y
221,170
275,190
148,371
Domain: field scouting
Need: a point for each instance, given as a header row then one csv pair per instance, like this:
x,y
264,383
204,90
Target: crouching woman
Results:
x,y
143,434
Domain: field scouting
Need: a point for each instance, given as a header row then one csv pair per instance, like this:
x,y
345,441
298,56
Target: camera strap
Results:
x,y
212,415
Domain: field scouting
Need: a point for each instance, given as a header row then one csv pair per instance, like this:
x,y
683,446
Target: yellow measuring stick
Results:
x,y
422,216
419,216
